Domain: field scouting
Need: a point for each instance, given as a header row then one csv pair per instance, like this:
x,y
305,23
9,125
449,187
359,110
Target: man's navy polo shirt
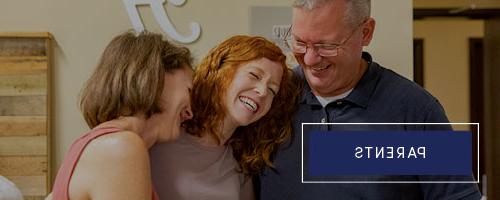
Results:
x,y
381,96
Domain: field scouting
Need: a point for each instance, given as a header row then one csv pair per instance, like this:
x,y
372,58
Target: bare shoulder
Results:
x,y
120,144
120,148
110,163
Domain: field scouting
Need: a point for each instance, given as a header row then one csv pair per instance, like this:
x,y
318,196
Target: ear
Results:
x,y
368,29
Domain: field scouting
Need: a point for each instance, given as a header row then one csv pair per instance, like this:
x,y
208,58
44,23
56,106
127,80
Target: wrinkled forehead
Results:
x,y
328,12
272,69
320,24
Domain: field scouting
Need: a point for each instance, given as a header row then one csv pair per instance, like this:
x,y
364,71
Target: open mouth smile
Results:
x,y
249,103
319,67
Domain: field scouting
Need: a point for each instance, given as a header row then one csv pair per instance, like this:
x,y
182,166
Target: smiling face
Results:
x,y
175,104
331,75
252,90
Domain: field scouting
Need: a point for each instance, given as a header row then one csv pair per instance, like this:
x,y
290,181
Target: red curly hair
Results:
x,y
253,145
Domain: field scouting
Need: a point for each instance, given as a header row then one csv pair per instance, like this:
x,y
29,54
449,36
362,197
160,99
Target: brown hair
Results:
x,y
129,77
253,145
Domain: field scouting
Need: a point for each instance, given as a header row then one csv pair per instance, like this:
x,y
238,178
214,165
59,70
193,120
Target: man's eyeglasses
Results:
x,y
323,49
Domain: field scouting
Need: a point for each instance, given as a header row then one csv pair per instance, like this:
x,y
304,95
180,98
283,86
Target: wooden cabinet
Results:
x,y
25,111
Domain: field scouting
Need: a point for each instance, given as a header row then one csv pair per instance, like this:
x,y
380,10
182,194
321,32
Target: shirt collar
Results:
x,y
366,86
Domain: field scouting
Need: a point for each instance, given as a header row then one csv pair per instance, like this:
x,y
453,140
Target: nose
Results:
x,y
261,89
186,113
311,57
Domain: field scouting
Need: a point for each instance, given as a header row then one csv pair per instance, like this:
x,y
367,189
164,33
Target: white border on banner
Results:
x,y
302,153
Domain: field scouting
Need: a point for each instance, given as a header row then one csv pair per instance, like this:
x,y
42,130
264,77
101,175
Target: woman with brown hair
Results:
x,y
138,95
243,98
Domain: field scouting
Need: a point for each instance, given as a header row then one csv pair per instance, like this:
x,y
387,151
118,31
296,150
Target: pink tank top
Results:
x,y
61,184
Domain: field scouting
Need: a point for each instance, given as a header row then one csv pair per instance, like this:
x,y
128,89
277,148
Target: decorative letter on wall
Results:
x,y
161,17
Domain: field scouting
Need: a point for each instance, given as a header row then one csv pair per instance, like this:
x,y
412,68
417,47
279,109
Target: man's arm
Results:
x,y
436,114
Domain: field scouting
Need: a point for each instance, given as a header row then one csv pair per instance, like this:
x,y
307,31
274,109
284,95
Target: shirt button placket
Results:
x,y
324,119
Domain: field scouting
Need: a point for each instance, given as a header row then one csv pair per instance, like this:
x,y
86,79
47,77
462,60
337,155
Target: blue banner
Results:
x,y
331,153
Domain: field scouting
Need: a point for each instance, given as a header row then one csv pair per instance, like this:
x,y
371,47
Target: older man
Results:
x,y
343,85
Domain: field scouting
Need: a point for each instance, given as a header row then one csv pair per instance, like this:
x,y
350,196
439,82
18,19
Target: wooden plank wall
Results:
x,y
24,111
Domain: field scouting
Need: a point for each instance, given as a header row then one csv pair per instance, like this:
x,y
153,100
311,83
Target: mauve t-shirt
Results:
x,y
184,169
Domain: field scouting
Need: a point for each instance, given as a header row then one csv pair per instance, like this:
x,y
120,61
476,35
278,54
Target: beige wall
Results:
x,y
391,46
446,61
455,3
81,29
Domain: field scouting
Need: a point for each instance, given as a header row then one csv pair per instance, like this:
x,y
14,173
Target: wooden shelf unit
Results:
x,y
25,132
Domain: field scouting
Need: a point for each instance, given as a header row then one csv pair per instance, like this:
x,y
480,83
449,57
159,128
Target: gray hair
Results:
x,y
357,10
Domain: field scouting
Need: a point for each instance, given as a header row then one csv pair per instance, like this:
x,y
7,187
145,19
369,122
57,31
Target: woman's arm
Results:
x,y
114,166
